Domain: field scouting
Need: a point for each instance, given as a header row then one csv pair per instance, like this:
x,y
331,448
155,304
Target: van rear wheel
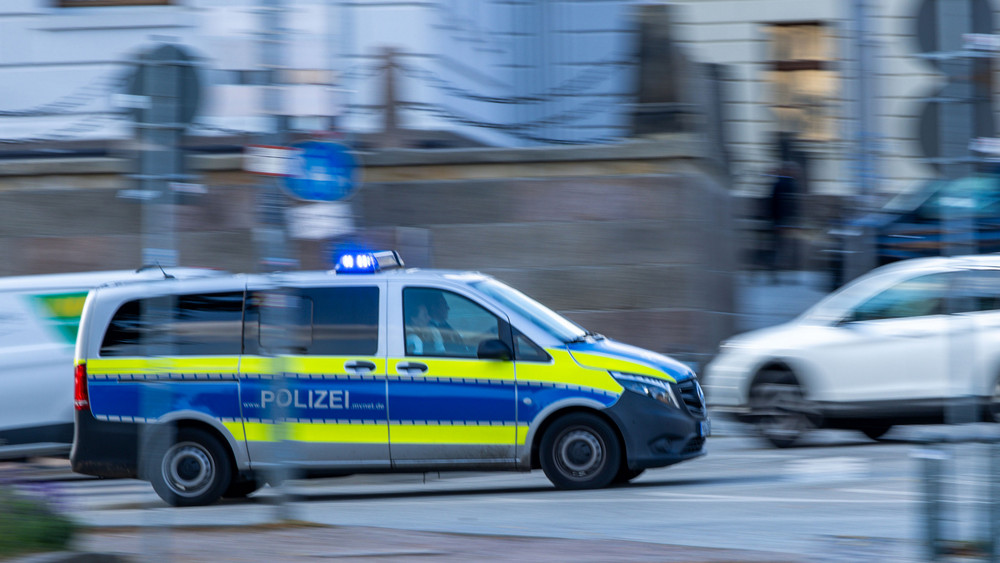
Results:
x,y
580,451
193,469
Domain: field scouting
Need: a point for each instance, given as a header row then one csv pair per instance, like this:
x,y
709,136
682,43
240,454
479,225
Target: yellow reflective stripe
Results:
x,y
457,368
259,432
564,370
123,365
326,364
236,429
434,434
318,432
339,433
160,364
206,364
600,361
258,364
379,433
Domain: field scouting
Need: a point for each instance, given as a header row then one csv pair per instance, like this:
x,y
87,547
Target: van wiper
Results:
x,y
583,337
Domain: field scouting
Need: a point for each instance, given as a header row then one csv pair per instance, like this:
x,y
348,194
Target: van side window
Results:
x,y
345,320
183,325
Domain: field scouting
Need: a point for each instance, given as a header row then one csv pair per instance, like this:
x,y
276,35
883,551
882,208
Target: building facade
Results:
x,y
844,83
495,72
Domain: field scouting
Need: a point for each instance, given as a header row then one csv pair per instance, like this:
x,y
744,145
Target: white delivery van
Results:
x,y
39,316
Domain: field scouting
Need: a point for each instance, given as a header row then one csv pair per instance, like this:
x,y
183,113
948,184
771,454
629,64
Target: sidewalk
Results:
x,y
302,543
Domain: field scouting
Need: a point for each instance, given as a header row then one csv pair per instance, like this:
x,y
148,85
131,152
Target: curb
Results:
x,y
72,557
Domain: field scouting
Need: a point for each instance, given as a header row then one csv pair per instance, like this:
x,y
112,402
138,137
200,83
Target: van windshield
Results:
x,y
553,323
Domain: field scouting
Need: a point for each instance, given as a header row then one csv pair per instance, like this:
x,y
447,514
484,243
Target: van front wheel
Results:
x,y
580,451
191,470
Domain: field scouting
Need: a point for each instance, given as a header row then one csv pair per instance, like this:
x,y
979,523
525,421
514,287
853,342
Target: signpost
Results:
x,y
315,171
269,160
322,171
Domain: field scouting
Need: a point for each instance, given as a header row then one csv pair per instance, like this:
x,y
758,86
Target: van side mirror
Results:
x,y
494,349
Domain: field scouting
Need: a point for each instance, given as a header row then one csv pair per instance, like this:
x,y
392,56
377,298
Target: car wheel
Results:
x,y
193,469
779,409
875,432
625,475
580,451
993,409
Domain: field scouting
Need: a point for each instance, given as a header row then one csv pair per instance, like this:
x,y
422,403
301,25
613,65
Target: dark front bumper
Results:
x,y
657,435
105,449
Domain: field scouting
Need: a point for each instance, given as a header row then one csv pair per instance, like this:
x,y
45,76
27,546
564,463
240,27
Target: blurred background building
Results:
x,y
868,98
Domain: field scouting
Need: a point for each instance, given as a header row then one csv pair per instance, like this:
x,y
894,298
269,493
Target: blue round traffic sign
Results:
x,y
322,171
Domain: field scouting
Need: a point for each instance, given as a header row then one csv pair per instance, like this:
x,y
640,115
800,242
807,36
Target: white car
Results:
x,y
39,315
913,342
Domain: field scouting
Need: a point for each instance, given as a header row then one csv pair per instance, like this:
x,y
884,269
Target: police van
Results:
x,y
205,387
39,315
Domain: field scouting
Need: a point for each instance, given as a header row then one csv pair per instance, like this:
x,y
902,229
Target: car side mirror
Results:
x,y
847,321
494,349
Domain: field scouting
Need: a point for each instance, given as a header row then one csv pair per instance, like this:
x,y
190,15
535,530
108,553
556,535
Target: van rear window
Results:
x,y
177,325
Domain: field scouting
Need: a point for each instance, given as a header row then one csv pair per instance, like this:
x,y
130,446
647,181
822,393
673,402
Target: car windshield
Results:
x,y
910,200
553,323
835,306
976,195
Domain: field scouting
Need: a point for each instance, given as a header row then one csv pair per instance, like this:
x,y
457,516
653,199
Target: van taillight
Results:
x,y
81,398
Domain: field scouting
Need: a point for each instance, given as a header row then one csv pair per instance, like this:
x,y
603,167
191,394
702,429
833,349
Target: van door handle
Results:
x,y
359,366
411,367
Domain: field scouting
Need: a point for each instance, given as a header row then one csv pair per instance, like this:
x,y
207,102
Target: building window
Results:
x,y
801,80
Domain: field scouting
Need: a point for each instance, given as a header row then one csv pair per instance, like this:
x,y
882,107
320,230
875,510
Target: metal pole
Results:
x,y
860,256
160,161
993,521
270,232
932,467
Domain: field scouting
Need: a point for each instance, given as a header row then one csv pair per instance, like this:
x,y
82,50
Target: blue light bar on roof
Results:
x,y
367,262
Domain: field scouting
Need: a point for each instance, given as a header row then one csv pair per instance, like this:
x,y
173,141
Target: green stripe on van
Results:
x,y
62,312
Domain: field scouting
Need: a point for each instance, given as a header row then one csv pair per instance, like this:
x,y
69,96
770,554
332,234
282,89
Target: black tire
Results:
x,y
993,406
193,469
876,431
625,475
779,409
580,451
242,489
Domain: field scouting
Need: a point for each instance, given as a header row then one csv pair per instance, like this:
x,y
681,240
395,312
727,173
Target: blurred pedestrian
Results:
x,y
782,216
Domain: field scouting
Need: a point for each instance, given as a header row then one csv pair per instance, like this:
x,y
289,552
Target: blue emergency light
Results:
x,y
367,262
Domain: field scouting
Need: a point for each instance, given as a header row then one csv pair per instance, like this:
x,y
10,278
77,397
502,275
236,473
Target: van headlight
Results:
x,y
649,386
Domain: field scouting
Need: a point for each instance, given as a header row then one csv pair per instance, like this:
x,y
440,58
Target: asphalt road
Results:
x,y
840,497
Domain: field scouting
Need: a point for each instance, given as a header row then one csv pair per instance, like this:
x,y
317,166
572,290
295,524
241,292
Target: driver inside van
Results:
x,y
422,337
